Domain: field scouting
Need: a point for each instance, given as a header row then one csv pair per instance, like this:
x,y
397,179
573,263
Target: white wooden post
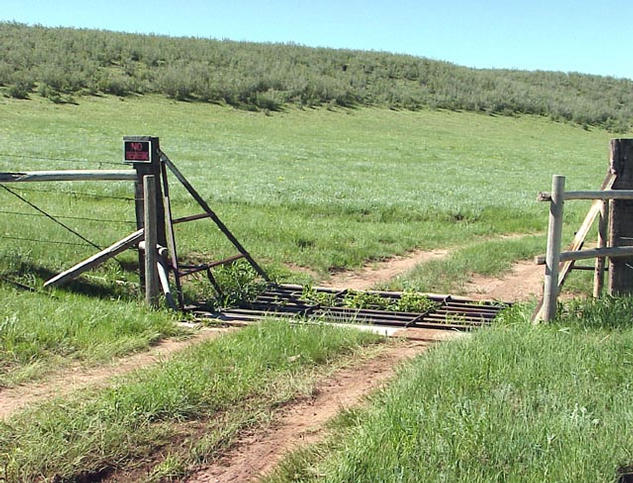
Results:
x,y
552,257
598,276
151,240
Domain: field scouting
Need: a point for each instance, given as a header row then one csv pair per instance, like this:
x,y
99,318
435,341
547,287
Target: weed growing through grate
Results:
x,y
311,295
239,283
415,302
363,300
408,301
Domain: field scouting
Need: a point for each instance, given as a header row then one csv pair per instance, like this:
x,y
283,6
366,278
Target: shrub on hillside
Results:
x,y
20,86
176,83
5,73
266,76
116,84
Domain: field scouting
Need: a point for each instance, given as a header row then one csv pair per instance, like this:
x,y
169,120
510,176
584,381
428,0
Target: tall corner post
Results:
x,y
621,217
552,257
143,154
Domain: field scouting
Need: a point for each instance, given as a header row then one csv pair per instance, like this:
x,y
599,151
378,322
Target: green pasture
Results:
x,y
319,188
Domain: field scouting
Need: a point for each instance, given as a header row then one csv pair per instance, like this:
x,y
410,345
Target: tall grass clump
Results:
x,y
37,330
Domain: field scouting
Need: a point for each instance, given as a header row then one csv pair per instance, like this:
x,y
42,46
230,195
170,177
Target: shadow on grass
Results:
x,y
31,276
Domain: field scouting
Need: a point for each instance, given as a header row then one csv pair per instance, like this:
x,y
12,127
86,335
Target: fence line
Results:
x,y
50,217
75,193
554,256
154,221
612,206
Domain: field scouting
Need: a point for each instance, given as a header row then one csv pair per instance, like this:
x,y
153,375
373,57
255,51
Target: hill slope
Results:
x,y
62,62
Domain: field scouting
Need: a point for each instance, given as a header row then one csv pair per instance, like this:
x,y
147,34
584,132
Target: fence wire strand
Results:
x,y
84,218
78,193
38,240
55,218
50,217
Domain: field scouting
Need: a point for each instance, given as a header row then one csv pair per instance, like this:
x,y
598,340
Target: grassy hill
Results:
x,y
63,63
325,189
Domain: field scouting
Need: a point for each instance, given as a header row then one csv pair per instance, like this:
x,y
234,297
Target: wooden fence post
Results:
x,y
621,219
151,240
143,167
552,257
603,225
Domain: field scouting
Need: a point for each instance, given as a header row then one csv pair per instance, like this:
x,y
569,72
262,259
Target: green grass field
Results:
x,y
326,190
317,188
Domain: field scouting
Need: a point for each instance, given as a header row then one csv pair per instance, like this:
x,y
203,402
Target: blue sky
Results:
x,y
582,36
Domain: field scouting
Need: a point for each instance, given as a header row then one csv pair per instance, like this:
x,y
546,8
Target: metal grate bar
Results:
x,y
452,313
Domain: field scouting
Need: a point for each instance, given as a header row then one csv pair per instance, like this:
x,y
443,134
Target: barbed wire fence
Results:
x,y
22,195
152,207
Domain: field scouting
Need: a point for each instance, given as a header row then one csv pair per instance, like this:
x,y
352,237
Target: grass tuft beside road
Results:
x,y
515,402
38,332
242,374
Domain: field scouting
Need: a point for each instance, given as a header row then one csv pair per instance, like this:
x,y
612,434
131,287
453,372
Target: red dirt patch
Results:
x,y
302,422
375,273
78,377
522,283
382,271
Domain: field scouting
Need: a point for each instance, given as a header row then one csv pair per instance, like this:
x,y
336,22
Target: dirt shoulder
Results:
x,y
303,421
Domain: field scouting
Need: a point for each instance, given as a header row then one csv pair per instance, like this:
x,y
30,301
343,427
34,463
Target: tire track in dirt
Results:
x,y
303,422
375,273
522,283
383,271
76,377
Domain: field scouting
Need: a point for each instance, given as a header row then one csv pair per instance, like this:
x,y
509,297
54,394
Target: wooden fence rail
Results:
x,y
590,195
70,175
612,203
554,256
154,235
